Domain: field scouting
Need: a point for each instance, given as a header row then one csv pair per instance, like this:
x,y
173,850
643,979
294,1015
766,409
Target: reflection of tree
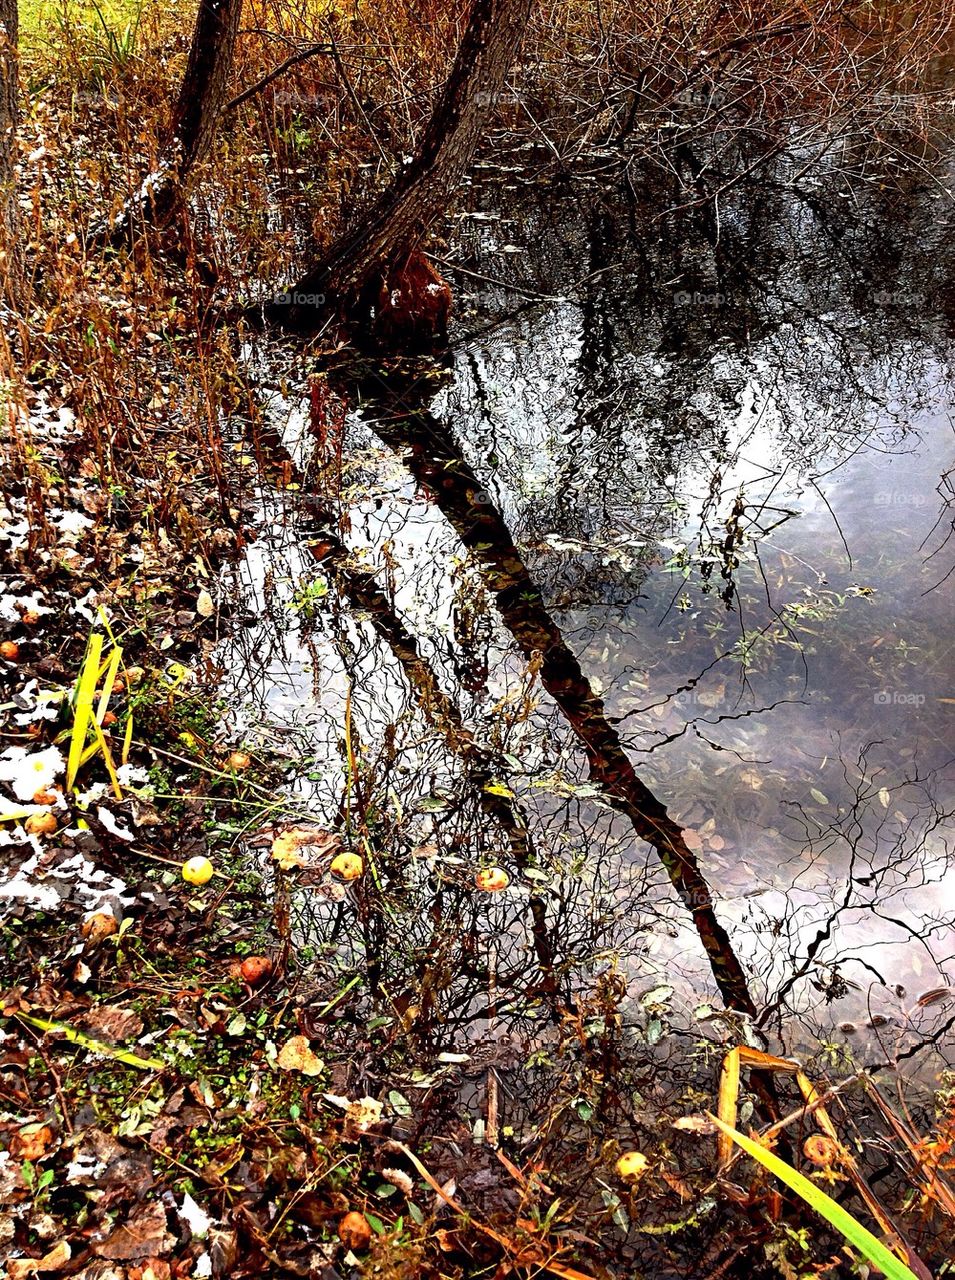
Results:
x,y
435,460
788,327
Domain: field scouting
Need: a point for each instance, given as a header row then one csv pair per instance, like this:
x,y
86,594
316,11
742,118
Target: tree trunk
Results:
x,y
203,95
367,266
12,280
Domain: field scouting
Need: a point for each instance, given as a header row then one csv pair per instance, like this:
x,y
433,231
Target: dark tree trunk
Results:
x,y
378,260
204,90
203,95
12,280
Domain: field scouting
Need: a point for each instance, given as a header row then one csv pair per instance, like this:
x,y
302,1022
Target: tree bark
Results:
x,y
392,229
203,96
12,279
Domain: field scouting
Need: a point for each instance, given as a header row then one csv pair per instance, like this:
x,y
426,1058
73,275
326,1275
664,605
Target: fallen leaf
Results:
x,y
113,1023
361,1114
934,996
287,848
143,1235
296,1055
694,1124
55,1260
154,1269
205,605
31,1142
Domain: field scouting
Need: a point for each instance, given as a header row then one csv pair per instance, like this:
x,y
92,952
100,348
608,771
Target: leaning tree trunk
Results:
x,y
356,269
192,128
12,280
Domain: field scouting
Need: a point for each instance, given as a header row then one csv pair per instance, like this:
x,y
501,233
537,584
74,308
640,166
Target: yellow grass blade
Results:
x,y
127,737
111,669
95,1046
83,705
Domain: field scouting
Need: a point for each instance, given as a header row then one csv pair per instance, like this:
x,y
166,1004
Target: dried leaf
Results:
x,y
935,996
288,848
113,1023
205,605
694,1124
31,1142
363,1114
55,1260
296,1055
143,1235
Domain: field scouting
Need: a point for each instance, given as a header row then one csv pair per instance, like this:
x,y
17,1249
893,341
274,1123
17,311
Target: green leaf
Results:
x,y
399,1103
843,1221
433,804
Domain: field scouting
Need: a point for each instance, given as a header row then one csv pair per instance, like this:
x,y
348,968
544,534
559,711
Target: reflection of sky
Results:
x,y
841,437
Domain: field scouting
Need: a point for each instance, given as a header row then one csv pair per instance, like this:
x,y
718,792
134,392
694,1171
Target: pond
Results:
x,y
643,595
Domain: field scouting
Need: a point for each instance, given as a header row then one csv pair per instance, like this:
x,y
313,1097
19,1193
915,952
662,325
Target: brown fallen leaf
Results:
x,y
935,996
112,1023
31,1142
55,1260
153,1269
143,1235
296,1055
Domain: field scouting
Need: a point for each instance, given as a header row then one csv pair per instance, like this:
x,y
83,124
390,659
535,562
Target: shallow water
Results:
x,y
699,462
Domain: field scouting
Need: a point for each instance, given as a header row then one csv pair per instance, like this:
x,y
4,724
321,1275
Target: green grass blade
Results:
x,y
95,1046
843,1221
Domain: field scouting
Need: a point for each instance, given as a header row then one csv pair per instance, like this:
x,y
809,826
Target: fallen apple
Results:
x,y
354,1231
347,866
41,824
492,879
632,1165
255,969
197,871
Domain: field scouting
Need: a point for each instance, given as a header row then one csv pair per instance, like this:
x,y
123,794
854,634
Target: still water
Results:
x,y
644,594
